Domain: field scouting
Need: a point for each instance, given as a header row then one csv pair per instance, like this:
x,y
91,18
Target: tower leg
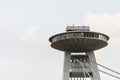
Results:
x,y
93,66
66,70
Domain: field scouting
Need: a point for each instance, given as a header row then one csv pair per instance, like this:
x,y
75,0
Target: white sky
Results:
x,y
26,25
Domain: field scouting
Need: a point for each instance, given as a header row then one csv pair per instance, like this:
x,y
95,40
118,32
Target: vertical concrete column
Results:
x,y
93,65
67,66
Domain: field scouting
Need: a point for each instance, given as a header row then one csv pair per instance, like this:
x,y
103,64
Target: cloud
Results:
x,y
30,35
106,23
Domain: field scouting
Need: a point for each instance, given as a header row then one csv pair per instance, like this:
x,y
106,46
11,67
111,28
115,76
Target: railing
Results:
x,y
79,35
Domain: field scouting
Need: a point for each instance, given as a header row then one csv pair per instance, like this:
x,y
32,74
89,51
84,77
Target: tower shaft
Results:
x,y
80,66
67,65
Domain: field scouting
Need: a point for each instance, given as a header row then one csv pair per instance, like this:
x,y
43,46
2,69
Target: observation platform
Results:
x,y
79,41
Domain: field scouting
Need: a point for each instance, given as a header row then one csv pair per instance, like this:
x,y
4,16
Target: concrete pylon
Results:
x,y
76,71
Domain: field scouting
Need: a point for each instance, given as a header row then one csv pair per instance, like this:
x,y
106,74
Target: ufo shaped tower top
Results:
x,y
78,39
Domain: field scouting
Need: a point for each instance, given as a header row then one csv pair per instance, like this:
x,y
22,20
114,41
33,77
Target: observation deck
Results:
x,y
79,40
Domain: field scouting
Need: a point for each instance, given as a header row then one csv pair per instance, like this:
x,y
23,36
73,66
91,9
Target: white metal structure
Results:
x,y
79,44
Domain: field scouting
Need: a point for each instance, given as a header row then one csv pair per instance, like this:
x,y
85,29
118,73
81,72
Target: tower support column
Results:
x,y
93,65
66,70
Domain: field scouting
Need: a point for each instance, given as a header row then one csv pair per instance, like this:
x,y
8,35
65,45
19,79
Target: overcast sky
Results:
x,y
26,25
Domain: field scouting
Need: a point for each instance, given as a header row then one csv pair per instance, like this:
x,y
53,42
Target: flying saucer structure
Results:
x,y
79,39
